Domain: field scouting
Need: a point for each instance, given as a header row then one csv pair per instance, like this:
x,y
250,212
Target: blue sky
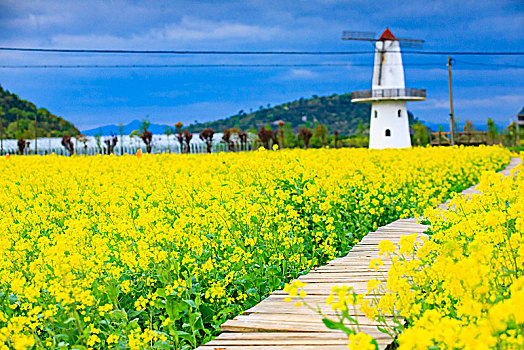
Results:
x,y
92,97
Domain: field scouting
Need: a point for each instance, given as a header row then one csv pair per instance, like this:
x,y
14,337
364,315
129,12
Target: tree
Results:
x,y
21,145
144,124
468,127
281,125
168,131
68,144
132,136
242,136
421,134
147,138
180,136
305,134
83,139
492,131
111,143
226,138
206,135
187,139
265,136
145,135
121,131
361,128
290,139
98,136
321,132
512,135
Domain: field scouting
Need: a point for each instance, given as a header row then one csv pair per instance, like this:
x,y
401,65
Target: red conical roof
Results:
x,y
387,35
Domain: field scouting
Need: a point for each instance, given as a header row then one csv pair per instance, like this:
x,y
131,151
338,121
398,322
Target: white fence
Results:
x,y
129,145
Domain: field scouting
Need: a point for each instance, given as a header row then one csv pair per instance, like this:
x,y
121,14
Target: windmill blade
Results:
x,y
411,43
356,35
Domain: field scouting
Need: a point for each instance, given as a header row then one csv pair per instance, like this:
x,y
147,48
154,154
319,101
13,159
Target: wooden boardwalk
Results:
x,y
274,324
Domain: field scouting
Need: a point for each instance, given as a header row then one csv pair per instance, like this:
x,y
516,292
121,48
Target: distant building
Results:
x,y
276,122
520,119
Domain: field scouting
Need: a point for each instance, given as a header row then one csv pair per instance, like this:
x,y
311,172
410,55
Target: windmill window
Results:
x,y
399,113
388,133
376,114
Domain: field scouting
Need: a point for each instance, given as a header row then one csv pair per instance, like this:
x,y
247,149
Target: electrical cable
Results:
x,y
50,66
269,65
502,65
217,52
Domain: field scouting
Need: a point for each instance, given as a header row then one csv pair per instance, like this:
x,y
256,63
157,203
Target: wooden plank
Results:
x,y
349,266
356,261
338,279
279,338
340,340
306,341
311,298
289,308
283,326
302,318
286,339
334,334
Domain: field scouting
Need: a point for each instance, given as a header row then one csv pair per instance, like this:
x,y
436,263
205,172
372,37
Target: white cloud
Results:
x,y
495,101
300,74
192,28
435,103
189,29
479,102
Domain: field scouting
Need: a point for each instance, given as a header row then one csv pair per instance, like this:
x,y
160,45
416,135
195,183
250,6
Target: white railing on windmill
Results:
x,y
389,126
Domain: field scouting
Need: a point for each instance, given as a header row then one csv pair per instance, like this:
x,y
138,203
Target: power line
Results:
x,y
216,52
206,65
249,65
489,64
185,52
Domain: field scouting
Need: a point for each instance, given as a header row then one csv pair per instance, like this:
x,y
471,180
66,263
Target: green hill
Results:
x,y
335,111
48,124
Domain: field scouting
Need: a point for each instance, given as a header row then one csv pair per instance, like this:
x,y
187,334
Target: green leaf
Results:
x,y
174,308
330,324
69,320
190,303
134,313
184,335
207,313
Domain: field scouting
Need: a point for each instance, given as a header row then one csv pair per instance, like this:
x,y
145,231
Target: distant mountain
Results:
x,y
127,129
18,119
335,111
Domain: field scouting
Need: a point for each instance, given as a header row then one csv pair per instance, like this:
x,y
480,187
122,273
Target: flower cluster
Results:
x,y
157,251
463,286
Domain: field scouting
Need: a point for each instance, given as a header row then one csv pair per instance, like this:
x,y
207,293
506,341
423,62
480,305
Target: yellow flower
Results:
x,y
85,238
360,341
386,247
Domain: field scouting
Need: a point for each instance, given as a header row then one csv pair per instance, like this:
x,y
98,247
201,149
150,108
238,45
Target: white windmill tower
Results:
x,y
389,127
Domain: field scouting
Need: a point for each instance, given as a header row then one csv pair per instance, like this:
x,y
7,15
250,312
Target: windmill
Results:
x,y
404,43
389,125
371,37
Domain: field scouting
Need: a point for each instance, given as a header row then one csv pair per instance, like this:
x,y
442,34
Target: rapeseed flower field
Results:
x,y
460,287
157,251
